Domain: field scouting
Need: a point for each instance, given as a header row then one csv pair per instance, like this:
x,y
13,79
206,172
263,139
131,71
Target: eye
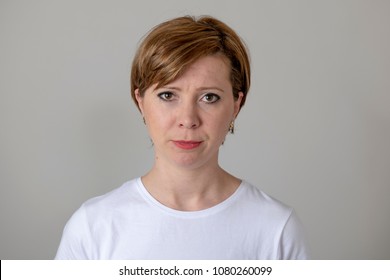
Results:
x,y
210,98
166,95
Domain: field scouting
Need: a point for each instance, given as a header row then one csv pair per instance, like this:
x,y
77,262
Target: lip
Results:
x,y
186,145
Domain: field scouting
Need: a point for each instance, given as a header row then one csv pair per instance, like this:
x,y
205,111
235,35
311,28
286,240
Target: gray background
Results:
x,y
315,132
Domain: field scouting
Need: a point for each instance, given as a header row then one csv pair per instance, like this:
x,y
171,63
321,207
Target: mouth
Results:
x,y
186,145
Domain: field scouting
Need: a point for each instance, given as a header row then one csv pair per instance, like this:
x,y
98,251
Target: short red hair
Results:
x,y
170,47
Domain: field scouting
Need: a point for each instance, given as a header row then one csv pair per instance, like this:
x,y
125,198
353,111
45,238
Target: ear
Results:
x,y
237,103
140,100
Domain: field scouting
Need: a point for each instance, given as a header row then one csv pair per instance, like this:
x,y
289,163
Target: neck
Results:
x,y
190,189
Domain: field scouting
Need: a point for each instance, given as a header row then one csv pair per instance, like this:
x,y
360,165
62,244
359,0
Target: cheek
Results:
x,y
221,125
156,121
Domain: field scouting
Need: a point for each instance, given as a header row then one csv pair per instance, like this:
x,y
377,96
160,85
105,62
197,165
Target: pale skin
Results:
x,y
188,121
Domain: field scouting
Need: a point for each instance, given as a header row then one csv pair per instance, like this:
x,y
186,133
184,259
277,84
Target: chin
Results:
x,y
191,162
187,163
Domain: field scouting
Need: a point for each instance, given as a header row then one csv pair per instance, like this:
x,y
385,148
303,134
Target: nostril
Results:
x,y
188,117
188,125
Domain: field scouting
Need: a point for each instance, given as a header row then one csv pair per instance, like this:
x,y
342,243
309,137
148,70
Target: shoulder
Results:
x,y
261,202
92,219
256,209
281,220
114,199
102,209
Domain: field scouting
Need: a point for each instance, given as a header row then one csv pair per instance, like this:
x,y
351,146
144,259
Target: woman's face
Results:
x,y
189,118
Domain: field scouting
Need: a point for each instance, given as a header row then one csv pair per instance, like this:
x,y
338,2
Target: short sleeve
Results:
x,y
76,238
293,243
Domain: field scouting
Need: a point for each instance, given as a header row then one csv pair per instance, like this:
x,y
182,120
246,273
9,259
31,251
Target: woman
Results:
x,y
189,79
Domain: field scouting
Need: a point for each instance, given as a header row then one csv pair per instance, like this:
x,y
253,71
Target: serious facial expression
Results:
x,y
188,119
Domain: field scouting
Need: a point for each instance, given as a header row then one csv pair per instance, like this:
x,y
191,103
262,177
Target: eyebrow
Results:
x,y
200,88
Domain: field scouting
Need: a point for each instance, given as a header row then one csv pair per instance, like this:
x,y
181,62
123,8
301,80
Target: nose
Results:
x,y
188,116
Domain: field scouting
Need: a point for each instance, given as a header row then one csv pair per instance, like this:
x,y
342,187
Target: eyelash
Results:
x,y
212,95
168,96
164,97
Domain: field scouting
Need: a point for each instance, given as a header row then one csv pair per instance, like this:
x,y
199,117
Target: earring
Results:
x,y
231,127
144,120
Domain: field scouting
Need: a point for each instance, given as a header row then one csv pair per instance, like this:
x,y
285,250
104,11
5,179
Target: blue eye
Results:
x,y
166,95
210,98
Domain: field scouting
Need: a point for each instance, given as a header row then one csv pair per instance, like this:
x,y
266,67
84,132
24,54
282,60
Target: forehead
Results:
x,y
208,69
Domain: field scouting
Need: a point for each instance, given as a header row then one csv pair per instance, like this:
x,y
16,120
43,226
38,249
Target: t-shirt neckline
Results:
x,y
188,214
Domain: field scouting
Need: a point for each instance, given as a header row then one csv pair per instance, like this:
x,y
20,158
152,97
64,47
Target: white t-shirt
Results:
x,y
128,223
